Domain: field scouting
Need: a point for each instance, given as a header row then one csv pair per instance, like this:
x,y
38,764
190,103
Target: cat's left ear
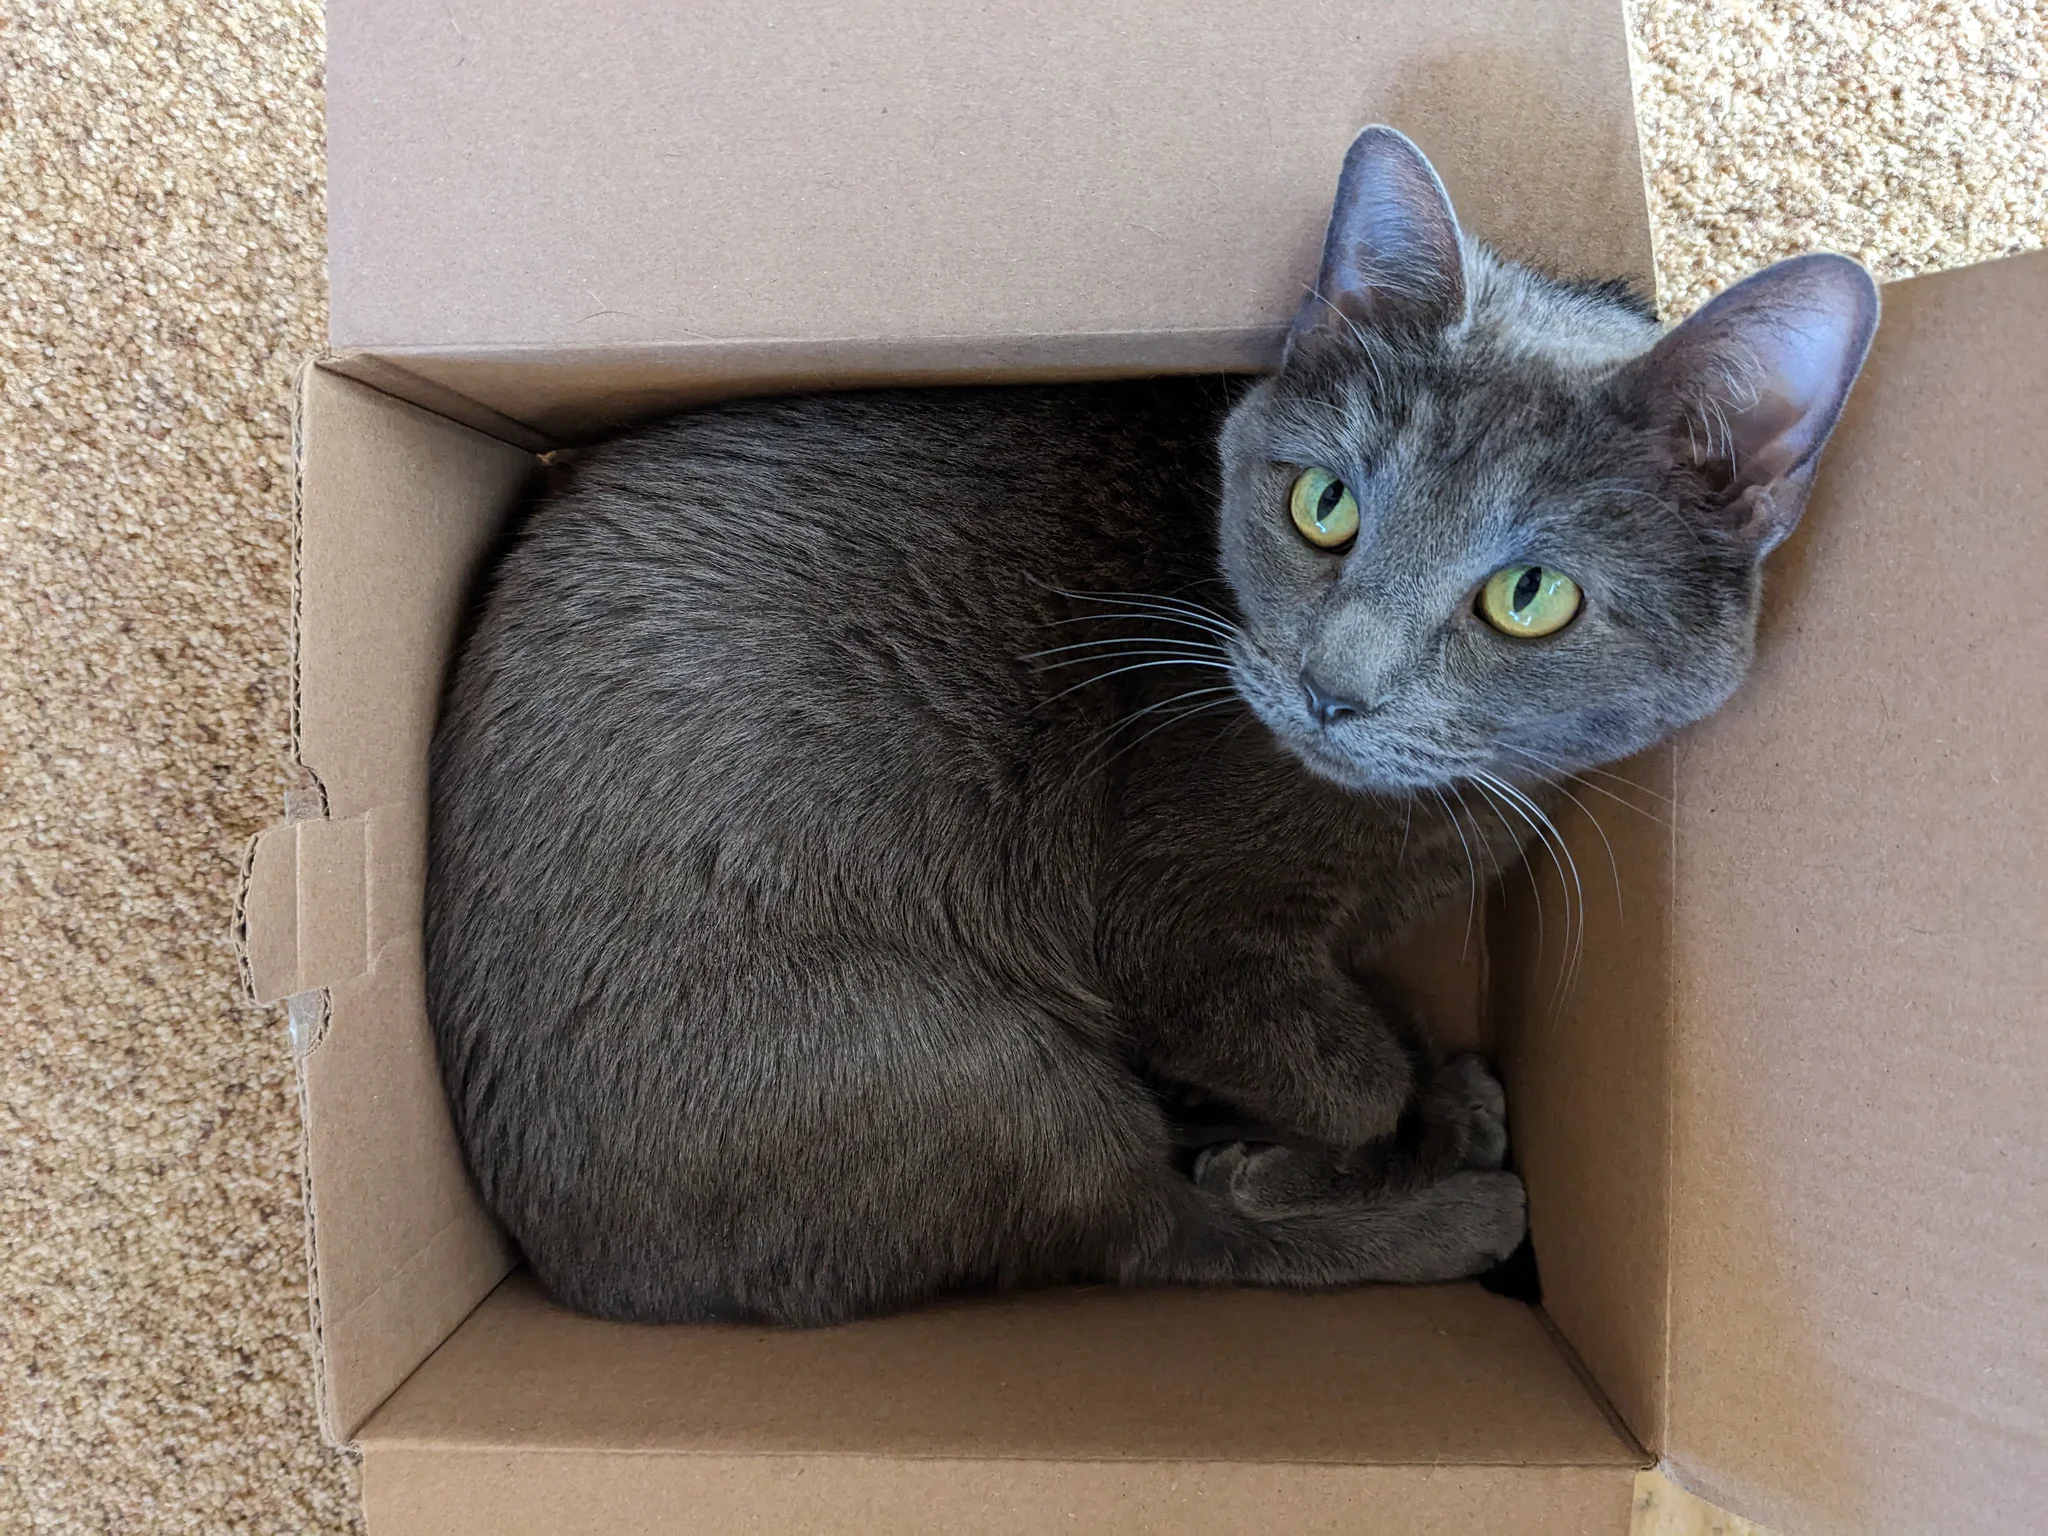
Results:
x,y
1755,381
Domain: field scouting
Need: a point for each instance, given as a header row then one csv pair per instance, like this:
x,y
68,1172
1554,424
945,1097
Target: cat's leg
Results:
x,y
1326,1057
1469,1099
1283,1216
1312,1057
1426,1202
1457,1120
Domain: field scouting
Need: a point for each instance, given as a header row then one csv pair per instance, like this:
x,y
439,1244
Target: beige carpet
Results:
x,y
160,207
162,217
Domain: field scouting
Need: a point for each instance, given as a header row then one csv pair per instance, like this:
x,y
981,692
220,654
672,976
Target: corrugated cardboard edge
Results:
x,y
266,898
1667,984
261,960
1637,87
460,1492
297,803
264,937
316,1337
259,887
265,927
264,932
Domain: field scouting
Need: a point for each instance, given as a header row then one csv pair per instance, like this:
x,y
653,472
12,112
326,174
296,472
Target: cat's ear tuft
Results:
x,y
1391,256
1752,384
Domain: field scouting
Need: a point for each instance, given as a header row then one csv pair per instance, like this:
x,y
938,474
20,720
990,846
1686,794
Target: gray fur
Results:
x,y
831,905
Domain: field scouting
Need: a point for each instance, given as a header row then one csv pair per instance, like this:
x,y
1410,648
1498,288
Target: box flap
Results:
x,y
1859,1195
718,190
396,509
1104,1403
1381,1374
414,1492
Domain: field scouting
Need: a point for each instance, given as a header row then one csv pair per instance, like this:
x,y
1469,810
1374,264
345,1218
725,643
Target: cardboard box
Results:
x,y
1786,1157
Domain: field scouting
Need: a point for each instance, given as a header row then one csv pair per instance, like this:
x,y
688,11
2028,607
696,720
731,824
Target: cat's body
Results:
x,y
828,891
894,915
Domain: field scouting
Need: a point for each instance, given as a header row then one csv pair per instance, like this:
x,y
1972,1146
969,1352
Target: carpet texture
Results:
x,y
160,273
161,208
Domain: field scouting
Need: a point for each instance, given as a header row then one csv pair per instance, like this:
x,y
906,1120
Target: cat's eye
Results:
x,y
1529,601
1323,508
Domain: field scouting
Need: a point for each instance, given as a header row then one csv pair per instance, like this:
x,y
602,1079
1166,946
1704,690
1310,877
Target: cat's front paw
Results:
x,y
1450,1229
1482,1216
1475,1098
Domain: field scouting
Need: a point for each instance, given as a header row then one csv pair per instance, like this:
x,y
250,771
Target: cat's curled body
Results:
x,y
835,935
827,890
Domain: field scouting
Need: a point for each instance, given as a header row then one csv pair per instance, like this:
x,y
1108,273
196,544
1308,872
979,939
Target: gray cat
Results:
x,y
893,842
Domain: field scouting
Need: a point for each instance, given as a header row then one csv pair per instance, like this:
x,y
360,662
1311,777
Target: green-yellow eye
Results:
x,y
1323,509
1529,601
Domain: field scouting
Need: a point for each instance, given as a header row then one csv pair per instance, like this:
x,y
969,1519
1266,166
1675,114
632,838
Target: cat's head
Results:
x,y
1483,520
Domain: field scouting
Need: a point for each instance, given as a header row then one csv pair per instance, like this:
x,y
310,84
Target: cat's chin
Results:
x,y
1346,772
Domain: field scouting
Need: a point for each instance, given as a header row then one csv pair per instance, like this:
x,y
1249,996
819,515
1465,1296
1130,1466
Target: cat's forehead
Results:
x,y
1518,374
1513,310
1453,417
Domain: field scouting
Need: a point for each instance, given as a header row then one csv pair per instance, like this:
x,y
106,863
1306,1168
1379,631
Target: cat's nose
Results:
x,y
1324,707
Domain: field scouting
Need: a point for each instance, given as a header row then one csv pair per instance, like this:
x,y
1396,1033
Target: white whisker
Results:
x,y
1149,616
1136,666
1478,833
1528,870
1560,855
1613,865
1170,720
1192,658
1114,641
1178,698
1164,606
1582,775
1624,779
1471,869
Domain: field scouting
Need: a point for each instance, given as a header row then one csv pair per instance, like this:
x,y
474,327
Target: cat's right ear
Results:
x,y
1391,256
